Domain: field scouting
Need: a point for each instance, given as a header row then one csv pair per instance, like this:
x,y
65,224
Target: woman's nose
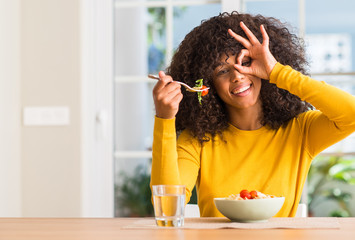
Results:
x,y
237,76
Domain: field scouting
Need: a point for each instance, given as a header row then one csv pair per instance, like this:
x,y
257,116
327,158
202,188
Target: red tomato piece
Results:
x,y
204,92
245,194
253,194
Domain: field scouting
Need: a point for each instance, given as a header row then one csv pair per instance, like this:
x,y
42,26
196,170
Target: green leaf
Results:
x,y
339,213
134,193
342,176
199,84
340,167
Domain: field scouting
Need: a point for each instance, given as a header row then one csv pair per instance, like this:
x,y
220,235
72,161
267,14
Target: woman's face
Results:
x,y
238,91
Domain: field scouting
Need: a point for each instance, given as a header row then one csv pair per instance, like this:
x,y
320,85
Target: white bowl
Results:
x,y
251,210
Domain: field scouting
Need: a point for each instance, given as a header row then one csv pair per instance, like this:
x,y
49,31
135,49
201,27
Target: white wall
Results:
x,y
40,166
56,53
50,68
10,111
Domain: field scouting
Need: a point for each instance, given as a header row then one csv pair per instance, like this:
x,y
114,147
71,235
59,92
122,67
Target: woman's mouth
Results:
x,y
241,91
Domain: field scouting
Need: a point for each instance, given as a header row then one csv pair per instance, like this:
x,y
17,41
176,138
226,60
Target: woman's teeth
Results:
x,y
240,90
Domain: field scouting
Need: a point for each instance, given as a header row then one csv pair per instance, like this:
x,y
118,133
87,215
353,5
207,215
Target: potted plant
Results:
x,y
133,196
326,180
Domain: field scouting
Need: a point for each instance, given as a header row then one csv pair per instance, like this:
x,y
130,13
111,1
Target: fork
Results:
x,y
188,88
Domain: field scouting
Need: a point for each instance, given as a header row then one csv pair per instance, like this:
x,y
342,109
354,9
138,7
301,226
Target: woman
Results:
x,y
256,128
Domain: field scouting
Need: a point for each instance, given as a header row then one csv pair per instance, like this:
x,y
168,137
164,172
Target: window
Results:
x,y
329,33
146,32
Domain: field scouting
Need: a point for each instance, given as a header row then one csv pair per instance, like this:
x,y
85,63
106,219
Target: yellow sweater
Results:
x,y
270,161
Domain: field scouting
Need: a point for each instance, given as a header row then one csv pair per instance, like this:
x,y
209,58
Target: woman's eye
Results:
x,y
246,63
223,71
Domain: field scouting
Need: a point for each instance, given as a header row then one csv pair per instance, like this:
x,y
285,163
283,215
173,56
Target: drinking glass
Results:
x,y
169,205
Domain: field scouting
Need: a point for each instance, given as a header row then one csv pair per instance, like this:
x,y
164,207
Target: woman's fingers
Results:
x,y
265,36
253,40
162,74
167,96
177,99
243,53
239,65
244,70
170,94
262,61
239,38
164,80
167,92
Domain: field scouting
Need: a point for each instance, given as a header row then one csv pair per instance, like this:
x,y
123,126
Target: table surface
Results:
x,y
112,228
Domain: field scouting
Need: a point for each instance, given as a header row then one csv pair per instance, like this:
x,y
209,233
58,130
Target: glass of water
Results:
x,y
169,205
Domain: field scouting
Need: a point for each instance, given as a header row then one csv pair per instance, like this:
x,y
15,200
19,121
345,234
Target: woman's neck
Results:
x,y
246,119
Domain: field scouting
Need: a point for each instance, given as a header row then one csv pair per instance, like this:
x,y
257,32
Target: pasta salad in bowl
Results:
x,y
250,206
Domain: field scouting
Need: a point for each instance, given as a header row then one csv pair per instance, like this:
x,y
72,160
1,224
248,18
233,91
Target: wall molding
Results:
x,y
10,109
97,108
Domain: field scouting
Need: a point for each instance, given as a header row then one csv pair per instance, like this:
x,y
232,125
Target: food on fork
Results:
x,y
205,90
199,85
197,88
245,195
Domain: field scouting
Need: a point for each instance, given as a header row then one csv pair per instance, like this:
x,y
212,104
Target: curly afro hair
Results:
x,y
199,54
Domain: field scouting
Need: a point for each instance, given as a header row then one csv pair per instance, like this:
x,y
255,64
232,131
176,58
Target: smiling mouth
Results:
x,y
241,90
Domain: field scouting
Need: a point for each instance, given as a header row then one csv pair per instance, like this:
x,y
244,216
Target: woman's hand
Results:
x,y
262,61
167,97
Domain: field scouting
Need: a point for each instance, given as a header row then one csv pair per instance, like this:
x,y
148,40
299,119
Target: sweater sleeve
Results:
x,y
174,163
336,117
